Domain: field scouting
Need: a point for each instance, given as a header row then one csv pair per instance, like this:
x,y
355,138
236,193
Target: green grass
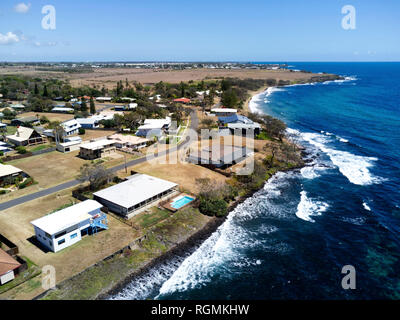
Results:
x,y
148,219
11,130
38,148
263,136
26,276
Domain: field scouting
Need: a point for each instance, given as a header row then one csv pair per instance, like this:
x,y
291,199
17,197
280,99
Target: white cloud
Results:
x,y
45,44
22,7
8,38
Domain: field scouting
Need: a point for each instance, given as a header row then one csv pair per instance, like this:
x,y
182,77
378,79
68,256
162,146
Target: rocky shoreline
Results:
x,y
182,249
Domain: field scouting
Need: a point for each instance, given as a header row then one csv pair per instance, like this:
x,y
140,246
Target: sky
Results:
x,y
185,30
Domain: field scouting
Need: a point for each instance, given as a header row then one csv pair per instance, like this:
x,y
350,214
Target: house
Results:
x,y
5,147
244,128
182,100
25,136
223,112
62,109
238,123
17,106
138,193
66,227
88,123
127,99
97,149
25,121
154,127
8,267
8,173
69,144
128,141
70,127
222,156
128,107
103,99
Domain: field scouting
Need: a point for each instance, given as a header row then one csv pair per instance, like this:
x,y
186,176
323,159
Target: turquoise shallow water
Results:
x,y
291,239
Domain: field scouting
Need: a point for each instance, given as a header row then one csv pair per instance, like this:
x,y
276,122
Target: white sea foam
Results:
x,y
354,167
366,206
144,285
311,172
308,207
255,101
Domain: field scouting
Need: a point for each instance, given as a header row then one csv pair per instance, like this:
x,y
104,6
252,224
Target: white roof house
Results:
x,y
17,106
223,111
88,122
103,99
62,109
99,144
24,136
123,140
131,195
66,218
66,227
70,126
153,125
8,170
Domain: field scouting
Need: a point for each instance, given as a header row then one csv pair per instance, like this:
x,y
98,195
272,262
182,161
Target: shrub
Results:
x,y
213,207
82,131
26,183
21,150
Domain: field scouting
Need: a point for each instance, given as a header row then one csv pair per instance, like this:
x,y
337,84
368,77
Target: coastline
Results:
x,y
188,246
184,246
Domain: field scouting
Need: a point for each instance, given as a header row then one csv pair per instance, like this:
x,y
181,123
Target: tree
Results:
x,y
45,93
229,98
92,106
36,89
84,107
96,174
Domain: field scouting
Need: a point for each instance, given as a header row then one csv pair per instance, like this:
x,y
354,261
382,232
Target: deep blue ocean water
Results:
x,y
291,239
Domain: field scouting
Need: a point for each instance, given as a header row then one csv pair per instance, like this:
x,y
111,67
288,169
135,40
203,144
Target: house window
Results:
x,y
60,234
74,235
61,241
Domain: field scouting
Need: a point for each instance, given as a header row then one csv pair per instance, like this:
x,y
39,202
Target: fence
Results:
x,y
11,248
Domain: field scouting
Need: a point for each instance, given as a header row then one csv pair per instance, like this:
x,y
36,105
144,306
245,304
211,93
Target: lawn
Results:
x,y
147,219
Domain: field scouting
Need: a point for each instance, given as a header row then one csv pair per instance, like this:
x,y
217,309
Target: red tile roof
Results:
x,y
184,100
7,263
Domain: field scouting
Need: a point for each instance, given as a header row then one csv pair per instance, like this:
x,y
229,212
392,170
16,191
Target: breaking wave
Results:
x,y
354,167
308,207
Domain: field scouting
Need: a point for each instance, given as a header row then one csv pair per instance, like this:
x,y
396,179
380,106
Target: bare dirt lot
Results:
x,y
109,76
51,116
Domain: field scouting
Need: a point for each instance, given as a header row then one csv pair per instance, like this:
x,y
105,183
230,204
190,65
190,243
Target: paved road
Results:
x,y
73,183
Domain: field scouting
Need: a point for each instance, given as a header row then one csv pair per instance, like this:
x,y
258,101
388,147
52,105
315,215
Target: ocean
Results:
x,y
292,238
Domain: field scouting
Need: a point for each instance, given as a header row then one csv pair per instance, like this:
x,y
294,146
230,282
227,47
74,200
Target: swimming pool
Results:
x,y
179,203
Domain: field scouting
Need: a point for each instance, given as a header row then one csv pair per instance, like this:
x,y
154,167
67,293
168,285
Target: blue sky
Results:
x,y
184,30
